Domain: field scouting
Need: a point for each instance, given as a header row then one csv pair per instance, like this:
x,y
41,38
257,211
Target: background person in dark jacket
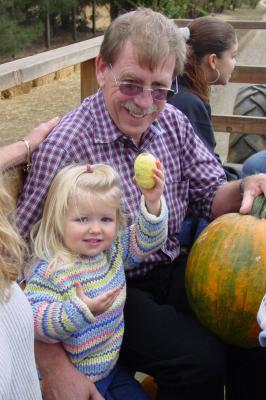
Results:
x,y
212,48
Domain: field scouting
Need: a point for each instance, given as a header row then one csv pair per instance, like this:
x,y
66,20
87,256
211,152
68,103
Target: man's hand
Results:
x,y
60,379
253,186
73,386
234,197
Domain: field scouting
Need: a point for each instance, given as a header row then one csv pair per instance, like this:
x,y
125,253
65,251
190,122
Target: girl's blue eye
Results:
x,y
107,219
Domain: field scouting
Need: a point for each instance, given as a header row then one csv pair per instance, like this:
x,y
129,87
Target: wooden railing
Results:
x,y
84,53
27,69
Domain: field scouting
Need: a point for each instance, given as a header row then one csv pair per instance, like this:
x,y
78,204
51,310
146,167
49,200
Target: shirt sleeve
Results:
x,y
56,315
205,176
146,236
200,169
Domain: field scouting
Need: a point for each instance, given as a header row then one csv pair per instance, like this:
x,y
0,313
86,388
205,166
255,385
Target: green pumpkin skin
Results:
x,y
226,277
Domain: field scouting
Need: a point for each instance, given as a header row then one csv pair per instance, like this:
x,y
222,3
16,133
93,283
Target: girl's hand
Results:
x,y
153,196
98,304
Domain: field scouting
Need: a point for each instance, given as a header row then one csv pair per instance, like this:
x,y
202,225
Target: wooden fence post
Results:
x,y
88,81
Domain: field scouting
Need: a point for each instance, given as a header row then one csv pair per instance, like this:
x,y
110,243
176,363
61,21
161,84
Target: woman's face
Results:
x,y
226,64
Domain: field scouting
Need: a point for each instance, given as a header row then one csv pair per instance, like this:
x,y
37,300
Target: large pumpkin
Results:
x,y
226,275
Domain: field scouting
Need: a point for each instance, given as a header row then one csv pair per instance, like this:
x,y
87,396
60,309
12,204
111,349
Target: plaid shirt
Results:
x,y
88,134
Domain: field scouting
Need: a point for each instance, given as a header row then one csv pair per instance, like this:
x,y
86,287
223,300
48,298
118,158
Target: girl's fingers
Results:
x,y
79,289
112,294
158,163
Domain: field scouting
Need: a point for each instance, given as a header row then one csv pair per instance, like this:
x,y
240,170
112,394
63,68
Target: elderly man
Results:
x,y
142,52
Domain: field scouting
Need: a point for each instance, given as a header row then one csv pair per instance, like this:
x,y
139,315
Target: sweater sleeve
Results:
x,y
57,315
146,236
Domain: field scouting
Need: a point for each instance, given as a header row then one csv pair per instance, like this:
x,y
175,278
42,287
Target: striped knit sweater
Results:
x,y
18,373
92,343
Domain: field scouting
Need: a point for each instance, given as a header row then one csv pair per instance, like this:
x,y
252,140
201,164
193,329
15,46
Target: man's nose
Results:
x,y
144,99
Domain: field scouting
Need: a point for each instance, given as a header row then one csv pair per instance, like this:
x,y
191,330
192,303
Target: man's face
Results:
x,y
133,114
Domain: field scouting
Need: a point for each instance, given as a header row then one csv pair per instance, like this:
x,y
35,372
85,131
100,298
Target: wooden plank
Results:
x,y
236,24
249,74
239,123
88,81
26,69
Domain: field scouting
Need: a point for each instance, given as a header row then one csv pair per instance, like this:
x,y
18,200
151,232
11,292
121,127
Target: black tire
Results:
x,y
250,100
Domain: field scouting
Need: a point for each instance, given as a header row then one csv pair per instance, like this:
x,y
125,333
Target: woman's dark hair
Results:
x,y
207,35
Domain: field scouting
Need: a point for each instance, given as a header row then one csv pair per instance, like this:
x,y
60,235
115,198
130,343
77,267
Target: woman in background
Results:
x,y
212,48
18,374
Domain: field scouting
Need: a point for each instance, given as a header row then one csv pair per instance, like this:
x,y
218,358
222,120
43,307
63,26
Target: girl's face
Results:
x,y
90,226
226,64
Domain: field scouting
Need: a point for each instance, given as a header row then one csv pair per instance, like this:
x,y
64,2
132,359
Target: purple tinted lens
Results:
x,y
159,94
130,89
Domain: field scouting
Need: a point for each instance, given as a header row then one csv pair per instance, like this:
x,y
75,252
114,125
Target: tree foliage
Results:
x,y
24,21
16,31
179,8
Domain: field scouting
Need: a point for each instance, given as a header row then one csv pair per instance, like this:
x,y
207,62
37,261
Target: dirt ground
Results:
x,y
19,114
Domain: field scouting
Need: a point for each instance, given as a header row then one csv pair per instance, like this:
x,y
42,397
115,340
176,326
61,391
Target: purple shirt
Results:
x,y
88,134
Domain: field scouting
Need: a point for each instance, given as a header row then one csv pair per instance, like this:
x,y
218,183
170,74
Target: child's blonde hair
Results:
x,y
11,244
98,181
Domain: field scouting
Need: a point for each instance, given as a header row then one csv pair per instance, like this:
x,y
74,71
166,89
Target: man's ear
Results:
x,y
100,71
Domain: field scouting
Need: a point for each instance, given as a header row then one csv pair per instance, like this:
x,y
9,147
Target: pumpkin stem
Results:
x,y
259,207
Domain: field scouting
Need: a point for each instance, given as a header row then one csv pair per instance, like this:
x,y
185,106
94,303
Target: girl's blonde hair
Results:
x,y
98,181
12,246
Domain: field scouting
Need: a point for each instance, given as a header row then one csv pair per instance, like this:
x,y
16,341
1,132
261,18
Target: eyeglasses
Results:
x,y
134,89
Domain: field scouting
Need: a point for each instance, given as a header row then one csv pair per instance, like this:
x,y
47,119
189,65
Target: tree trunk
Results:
x,y
47,31
94,17
114,10
74,26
